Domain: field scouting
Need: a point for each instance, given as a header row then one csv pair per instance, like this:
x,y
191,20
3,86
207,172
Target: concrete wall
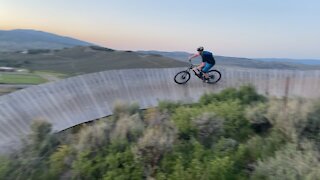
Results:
x,y
75,100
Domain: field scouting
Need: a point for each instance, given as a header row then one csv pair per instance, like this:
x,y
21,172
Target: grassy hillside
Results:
x,y
80,60
236,134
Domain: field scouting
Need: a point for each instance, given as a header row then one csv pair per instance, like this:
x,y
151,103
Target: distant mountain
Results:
x,y
296,61
243,62
81,60
23,39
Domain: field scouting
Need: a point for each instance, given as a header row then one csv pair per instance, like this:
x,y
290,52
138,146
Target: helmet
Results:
x,y
200,48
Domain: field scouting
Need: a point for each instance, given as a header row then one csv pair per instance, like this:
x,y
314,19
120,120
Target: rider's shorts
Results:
x,y
207,67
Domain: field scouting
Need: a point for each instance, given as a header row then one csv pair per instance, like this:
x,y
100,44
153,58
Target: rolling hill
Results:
x,y
81,60
37,50
23,39
296,61
243,62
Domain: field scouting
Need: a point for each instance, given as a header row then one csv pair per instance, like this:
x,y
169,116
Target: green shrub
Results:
x,y
224,95
92,137
5,164
221,168
40,137
248,95
168,106
87,166
59,161
123,108
236,126
122,165
178,172
245,94
225,147
31,162
256,148
289,117
209,128
311,129
289,163
257,116
157,140
189,160
182,119
128,128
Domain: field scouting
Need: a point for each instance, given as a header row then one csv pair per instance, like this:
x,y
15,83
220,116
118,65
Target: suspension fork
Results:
x,y
191,69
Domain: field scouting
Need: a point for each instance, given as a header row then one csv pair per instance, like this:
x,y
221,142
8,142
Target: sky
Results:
x,y
240,28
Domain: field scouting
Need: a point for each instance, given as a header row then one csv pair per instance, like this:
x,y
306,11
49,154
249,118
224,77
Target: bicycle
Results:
x,y
183,77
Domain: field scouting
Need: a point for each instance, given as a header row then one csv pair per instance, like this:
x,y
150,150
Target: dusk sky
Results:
x,y
242,28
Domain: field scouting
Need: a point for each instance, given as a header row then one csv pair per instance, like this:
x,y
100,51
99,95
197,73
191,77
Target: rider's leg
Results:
x,y
205,70
198,68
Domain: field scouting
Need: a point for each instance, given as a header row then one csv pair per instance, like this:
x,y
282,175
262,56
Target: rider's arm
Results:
x,y
201,66
194,56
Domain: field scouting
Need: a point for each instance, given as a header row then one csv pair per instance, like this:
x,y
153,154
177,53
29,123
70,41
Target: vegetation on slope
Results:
x,y
236,134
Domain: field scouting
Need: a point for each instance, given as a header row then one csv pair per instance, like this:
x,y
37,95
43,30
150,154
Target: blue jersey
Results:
x,y
207,57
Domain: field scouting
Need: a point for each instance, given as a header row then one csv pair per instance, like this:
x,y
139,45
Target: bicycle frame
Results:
x,y
191,68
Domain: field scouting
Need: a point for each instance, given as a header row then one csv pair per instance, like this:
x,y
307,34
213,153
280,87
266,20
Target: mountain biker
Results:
x,y
208,62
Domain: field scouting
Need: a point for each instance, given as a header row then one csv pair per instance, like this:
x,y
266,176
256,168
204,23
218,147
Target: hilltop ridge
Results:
x,y
23,39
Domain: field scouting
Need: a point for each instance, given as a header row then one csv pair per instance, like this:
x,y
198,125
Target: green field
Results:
x,y
51,73
16,78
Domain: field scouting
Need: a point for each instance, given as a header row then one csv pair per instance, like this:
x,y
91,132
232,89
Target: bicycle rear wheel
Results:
x,y
214,76
182,77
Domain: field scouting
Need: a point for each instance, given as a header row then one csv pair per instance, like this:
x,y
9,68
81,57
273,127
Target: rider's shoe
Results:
x,y
205,79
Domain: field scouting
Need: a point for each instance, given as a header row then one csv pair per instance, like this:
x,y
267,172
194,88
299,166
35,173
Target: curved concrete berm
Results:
x,y
79,99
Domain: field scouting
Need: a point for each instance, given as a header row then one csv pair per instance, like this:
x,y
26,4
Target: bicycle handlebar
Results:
x,y
192,65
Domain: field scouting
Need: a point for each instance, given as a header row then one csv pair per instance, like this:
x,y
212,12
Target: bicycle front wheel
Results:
x,y
182,77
